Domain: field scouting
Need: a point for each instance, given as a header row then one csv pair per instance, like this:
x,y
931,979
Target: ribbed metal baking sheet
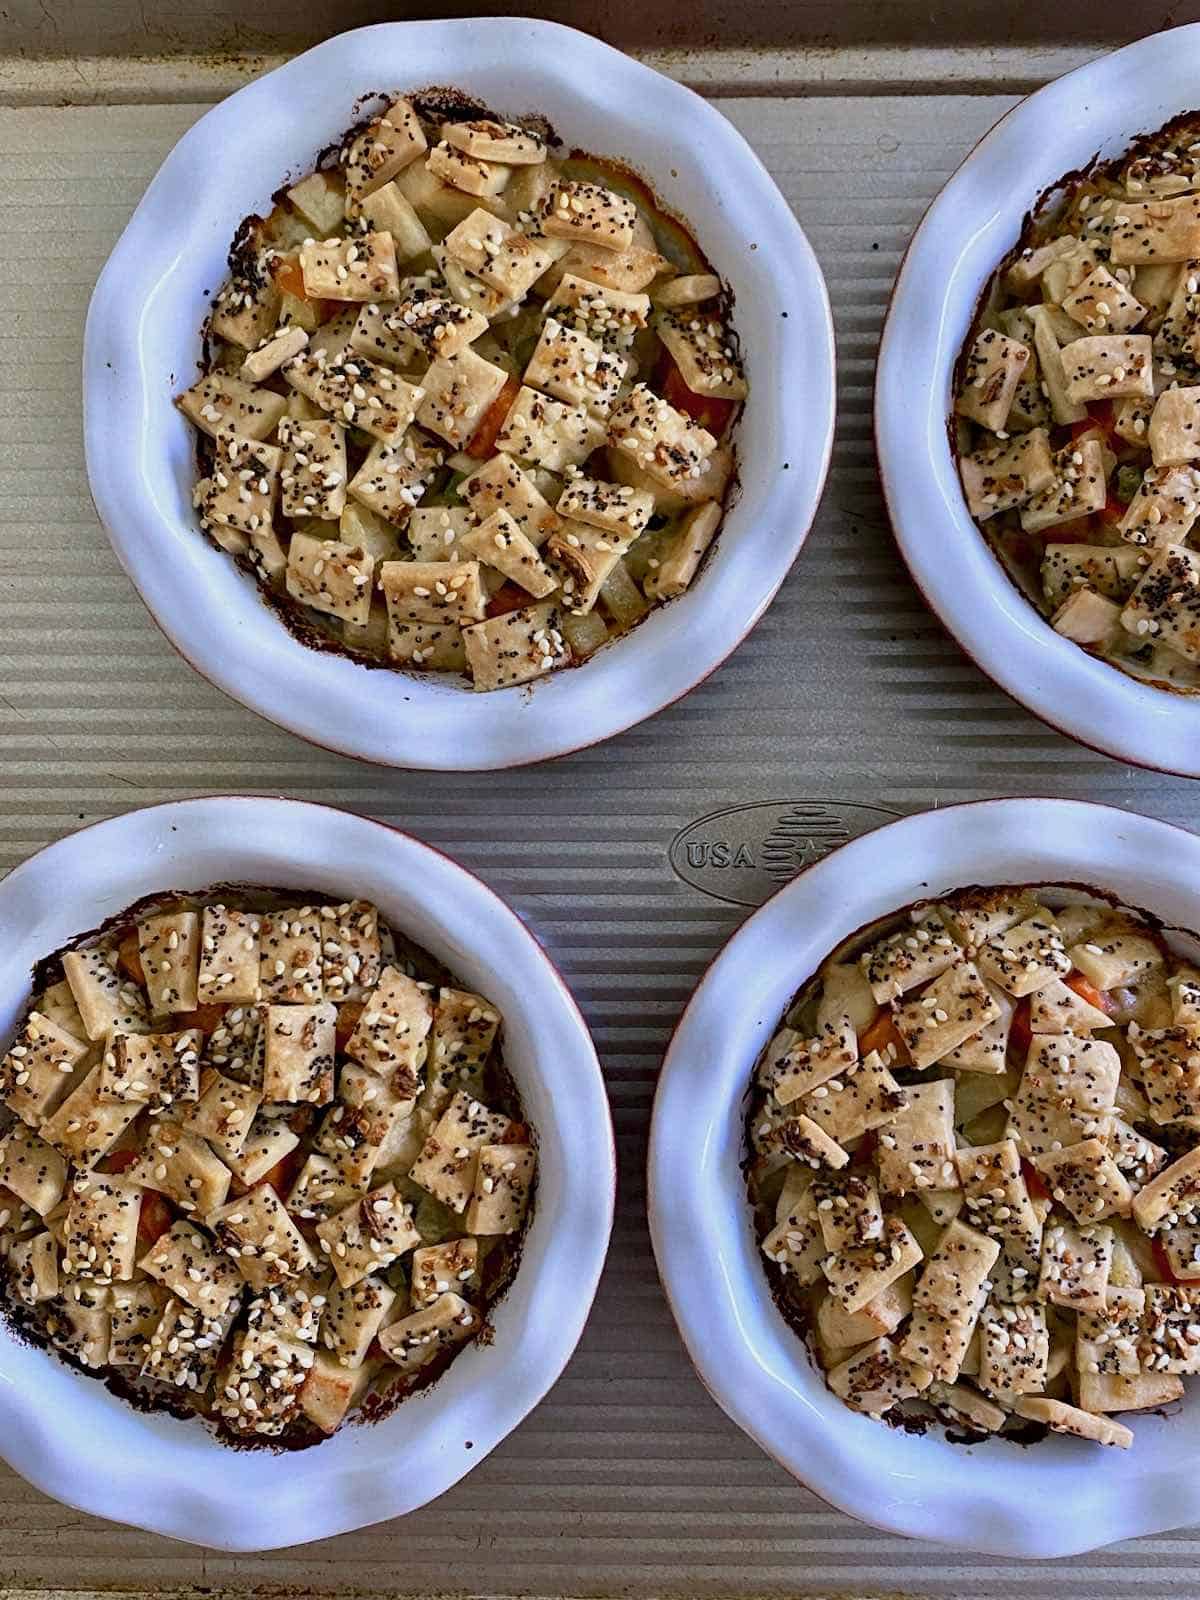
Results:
x,y
628,1480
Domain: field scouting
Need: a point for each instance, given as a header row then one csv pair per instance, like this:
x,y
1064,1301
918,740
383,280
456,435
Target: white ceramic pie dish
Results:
x,y
1095,111
142,345
68,1435
1060,1497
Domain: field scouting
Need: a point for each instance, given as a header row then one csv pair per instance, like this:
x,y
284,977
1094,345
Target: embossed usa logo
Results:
x,y
744,853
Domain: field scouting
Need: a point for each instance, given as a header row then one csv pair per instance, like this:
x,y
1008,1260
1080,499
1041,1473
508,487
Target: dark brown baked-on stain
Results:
x,y
498,1268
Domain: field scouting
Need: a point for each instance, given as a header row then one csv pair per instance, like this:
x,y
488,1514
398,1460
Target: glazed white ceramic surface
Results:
x,y
974,222
142,347
69,1436
1062,1496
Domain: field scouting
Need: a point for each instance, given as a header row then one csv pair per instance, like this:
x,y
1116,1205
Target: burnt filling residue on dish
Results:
x,y
468,398
261,1162
973,1160
1077,408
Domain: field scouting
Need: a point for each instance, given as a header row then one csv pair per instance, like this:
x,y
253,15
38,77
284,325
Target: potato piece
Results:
x,y
1090,620
1113,956
320,198
880,1316
389,210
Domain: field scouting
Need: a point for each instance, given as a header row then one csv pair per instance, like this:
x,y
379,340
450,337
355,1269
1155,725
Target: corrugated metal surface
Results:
x,y
628,1480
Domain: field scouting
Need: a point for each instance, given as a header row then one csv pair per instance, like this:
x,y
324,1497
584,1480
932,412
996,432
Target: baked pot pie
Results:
x,y
262,1162
467,399
974,1164
1077,409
